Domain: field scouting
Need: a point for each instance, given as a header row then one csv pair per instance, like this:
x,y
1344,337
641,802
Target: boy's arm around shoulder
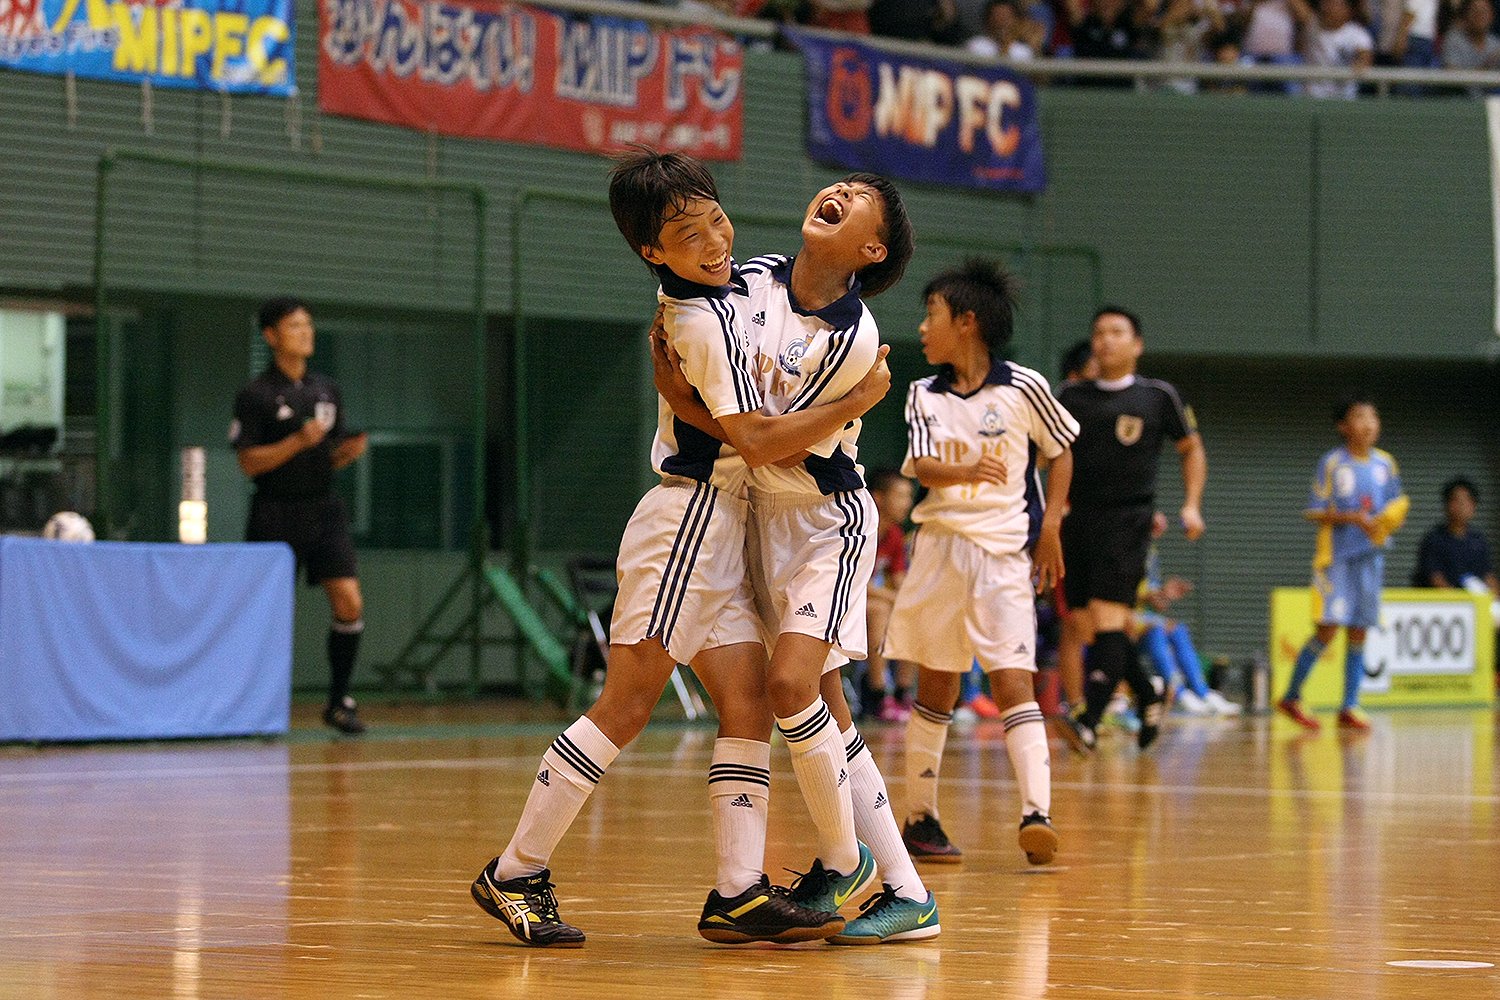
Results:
x,y
766,439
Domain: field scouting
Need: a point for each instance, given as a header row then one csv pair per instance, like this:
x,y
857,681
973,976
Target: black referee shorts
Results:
x,y
316,529
1104,553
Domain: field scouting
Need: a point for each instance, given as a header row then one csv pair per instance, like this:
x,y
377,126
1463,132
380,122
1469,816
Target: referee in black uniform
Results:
x,y
289,433
1123,421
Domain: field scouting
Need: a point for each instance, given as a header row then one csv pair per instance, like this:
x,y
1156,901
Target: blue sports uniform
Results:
x,y
1349,565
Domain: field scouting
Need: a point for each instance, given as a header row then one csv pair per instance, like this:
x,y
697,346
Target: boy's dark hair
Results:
x,y
881,479
273,311
895,232
1348,402
1113,310
1454,485
1076,358
648,189
984,288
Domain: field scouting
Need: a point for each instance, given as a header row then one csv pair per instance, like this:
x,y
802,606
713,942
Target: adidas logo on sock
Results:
x,y
807,611
879,799
759,319
543,778
742,801
842,776
929,773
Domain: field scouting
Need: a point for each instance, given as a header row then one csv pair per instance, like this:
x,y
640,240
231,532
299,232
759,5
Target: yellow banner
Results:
x,y
1433,647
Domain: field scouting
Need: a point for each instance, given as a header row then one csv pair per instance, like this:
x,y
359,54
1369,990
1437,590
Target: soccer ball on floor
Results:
x,y
68,526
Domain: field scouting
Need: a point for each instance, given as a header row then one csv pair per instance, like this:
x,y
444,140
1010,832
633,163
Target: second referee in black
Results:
x,y
1123,421
290,436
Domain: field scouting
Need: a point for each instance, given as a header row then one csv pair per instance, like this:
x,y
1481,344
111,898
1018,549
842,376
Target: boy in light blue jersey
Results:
x,y
1357,504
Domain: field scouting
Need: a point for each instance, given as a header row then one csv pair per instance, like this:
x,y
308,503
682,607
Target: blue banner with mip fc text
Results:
x,y
238,46
920,119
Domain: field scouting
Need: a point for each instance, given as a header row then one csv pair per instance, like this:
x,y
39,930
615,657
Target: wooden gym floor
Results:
x,y
1237,860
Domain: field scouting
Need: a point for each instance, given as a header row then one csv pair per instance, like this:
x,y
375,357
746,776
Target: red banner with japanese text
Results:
x,y
512,71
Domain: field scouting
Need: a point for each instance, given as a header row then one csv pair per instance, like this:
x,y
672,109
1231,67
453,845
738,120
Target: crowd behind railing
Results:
x,y
1338,35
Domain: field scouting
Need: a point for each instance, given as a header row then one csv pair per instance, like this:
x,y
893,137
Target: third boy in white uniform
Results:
x,y
978,433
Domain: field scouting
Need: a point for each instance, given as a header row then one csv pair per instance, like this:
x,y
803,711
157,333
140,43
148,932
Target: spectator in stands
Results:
x,y
1271,36
1111,29
1336,39
1469,43
918,21
1187,27
1455,553
1406,32
1008,33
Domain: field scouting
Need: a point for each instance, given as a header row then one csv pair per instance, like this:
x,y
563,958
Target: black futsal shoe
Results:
x,y
1150,724
343,715
527,906
764,912
926,841
1038,839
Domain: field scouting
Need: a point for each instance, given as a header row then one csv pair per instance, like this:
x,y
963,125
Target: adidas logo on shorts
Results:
x,y
807,611
879,799
1021,649
543,778
759,319
927,774
742,801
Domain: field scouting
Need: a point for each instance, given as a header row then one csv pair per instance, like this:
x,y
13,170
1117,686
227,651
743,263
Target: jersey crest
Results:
x,y
1343,481
1128,428
791,358
990,425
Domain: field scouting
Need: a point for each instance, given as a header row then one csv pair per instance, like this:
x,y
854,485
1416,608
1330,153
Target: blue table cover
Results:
x,y
130,640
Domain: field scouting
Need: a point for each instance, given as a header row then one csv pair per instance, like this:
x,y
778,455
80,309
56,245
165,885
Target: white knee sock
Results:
x,y
1026,742
739,795
570,769
926,734
822,771
875,823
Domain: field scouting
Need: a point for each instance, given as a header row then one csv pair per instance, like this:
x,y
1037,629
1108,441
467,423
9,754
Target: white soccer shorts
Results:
x,y
958,603
811,558
681,571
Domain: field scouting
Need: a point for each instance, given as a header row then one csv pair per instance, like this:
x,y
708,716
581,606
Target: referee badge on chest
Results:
x,y
325,413
1128,428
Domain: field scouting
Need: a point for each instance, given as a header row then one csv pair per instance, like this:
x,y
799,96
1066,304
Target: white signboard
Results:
x,y
1419,638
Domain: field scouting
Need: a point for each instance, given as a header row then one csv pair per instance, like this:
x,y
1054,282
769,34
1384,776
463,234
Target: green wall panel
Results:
x,y
1201,208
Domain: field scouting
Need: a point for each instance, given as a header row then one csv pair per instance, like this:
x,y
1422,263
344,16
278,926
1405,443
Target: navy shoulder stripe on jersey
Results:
x,y
1041,400
746,392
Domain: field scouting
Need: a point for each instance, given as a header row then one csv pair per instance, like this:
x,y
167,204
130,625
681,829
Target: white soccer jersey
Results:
x,y
1013,415
705,325
804,359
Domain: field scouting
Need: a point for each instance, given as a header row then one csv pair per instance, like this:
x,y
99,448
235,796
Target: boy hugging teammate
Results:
x,y
812,542
683,595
